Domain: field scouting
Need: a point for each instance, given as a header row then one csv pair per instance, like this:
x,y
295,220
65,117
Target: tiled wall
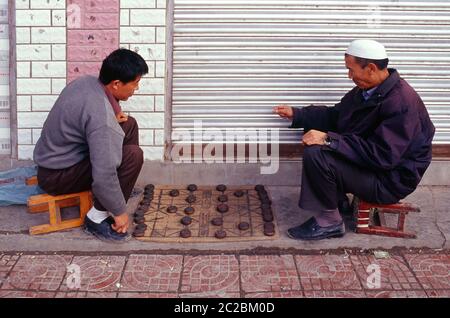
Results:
x,y
53,50
5,143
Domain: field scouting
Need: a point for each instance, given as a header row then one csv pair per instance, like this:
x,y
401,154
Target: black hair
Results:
x,y
123,65
363,62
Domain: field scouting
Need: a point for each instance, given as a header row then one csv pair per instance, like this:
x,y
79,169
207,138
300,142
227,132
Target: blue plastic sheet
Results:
x,y
13,189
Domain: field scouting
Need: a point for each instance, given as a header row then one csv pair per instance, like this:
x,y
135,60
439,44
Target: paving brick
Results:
x,y
397,294
137,3
32,52
100,21
147,295
77,69
51,35
38,272
102,5
219,294
81,294
48,4
88,53
291,294
432,270
395,274
137,35
98,273
156,273
25,294
210,274
149,17
334,294
33,18
6,264
268,273
23,35
441,293
326,272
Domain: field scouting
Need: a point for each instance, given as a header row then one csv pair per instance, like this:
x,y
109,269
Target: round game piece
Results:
x,y
243,226
141,227
139,213
172,209
267,216
144,206
269,229
185,233
139,219
174,193
223,198
259,187
186,220
238,193
138,234
189,210
266,201
145,201
217,221
148,193
220,234
192,187
266,206
149,187
191,198
221,187
222,208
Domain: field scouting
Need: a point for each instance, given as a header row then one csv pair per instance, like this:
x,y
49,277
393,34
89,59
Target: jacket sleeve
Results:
x,y
321,118
384,148
105,149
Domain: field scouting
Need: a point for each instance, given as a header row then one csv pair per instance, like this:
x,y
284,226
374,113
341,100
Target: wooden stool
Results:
x,y
53,204
367,213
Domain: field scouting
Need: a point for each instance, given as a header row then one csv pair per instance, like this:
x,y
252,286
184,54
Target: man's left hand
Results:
x,y
314,137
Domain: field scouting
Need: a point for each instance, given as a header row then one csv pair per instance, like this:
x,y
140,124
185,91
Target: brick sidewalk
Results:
x,y
325,274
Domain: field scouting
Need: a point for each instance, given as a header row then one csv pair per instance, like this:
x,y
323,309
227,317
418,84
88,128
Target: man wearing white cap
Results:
x,y
375,143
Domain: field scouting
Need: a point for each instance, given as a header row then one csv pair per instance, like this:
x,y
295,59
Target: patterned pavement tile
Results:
x,y
441,293
290,294
397,294
327,272
81,294
334,294
394,273
148,295
210,274
210,295
38,272
155,273
432,270
6,264
97,273
266,273
25,294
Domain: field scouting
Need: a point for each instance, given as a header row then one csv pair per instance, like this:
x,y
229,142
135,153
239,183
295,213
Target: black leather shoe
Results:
x,y
310,230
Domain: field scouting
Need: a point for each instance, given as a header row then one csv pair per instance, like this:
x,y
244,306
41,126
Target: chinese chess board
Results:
x,y
207,214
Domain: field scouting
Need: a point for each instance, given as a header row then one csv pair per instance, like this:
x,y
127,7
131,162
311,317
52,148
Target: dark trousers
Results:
x,y
327,177
79,177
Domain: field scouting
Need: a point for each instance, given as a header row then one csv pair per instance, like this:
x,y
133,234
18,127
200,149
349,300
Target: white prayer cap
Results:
x,y
368,49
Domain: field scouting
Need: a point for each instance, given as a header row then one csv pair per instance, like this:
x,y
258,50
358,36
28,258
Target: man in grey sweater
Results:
x,y
88,143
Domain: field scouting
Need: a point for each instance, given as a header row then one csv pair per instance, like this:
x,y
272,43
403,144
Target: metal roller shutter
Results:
x,y
234,60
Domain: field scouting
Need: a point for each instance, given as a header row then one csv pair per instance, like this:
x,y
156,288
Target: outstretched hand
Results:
x,y
284,111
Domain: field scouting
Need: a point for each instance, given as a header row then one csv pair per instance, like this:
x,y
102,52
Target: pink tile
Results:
x,y
6,264
25,294
38,272
394,273
263,273
219,294
210,274
397,294
334,294
291,294
432,270
148,295
98,273
156,273
326,272
441,293
81,294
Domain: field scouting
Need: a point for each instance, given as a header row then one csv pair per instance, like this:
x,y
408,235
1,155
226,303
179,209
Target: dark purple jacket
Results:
x,y
390,133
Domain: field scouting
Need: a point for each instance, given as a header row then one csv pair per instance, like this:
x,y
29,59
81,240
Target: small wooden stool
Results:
x,y
366,214
53,204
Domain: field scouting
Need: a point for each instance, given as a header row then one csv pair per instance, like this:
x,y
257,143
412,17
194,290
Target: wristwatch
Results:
x,y
327,141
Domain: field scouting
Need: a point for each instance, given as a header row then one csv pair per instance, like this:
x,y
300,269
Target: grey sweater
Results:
x,y
82,124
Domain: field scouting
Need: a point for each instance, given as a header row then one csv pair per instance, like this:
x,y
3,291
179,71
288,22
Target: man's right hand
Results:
x,y
284,111
121,223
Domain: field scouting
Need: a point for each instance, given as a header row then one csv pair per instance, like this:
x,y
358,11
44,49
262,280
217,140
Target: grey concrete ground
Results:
x,y
432,226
